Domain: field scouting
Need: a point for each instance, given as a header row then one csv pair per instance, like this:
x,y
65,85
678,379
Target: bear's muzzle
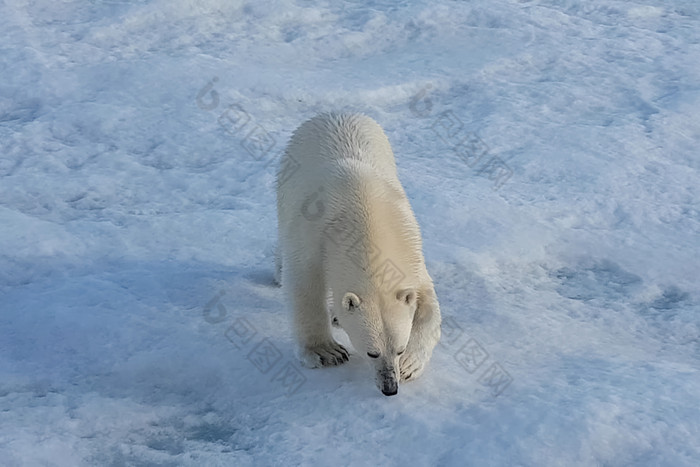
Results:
x,y
389,383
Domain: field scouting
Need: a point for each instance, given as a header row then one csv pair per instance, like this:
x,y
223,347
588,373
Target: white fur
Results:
x,y
346,227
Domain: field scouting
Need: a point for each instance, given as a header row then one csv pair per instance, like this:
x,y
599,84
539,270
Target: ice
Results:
x,y
549,151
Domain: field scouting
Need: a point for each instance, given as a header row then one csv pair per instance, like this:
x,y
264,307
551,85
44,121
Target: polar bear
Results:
x,y
347,234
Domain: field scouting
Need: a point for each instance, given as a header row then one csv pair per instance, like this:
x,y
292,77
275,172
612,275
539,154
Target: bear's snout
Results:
x,y
388,383
390,388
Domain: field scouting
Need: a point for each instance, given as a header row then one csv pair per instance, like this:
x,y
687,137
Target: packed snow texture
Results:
x,y
550,153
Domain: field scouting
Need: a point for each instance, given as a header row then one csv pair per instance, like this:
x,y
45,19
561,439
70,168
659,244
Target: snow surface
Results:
x,y
139,324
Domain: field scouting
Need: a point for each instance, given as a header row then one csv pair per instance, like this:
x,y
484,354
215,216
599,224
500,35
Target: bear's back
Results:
x,y
332,136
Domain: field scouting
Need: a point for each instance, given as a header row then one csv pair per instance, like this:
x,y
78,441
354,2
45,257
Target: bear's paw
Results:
x,y
411,366
324,354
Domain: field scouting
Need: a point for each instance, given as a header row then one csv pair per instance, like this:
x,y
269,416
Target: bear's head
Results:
x,y
379,326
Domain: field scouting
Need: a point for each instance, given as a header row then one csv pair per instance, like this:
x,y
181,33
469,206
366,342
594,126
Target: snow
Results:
x,y
138,320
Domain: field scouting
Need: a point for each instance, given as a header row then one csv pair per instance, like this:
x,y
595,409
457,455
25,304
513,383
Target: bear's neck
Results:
x,y
374,239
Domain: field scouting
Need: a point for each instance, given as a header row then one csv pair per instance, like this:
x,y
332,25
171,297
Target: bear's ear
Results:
x,y
406,296
350,302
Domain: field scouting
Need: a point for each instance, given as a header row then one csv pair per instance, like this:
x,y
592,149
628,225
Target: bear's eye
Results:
x,y
373,354
400,352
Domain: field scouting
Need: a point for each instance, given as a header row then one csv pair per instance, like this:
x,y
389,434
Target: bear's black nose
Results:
x,y
390,388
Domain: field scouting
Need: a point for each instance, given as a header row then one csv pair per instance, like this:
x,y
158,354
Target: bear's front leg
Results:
x,y
425,335
317,347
